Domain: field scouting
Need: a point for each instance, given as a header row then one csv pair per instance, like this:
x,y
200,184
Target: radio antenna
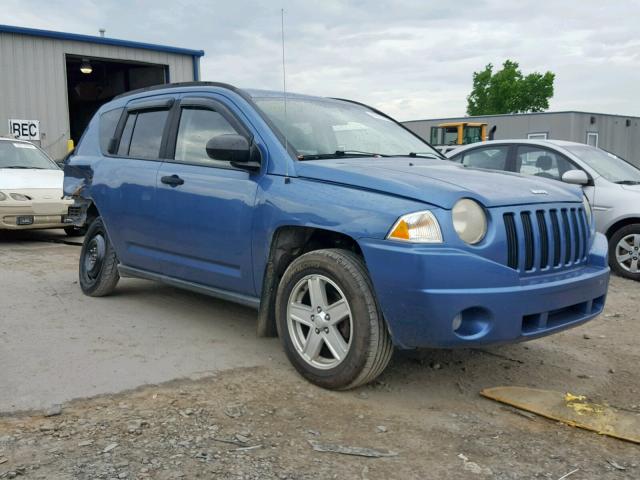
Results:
x,y
284,92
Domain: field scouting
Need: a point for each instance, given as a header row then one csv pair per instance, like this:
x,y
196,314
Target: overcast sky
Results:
x,y
412,59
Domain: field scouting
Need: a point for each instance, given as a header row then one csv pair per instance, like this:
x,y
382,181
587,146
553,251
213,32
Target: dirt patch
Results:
x,y
256,424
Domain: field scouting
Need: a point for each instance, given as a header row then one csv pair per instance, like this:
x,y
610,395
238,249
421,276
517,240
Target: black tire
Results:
x,y
98,270
370,349
619,267
73,231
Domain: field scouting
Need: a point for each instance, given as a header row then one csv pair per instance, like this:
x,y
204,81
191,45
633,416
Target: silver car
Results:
x,y
611,184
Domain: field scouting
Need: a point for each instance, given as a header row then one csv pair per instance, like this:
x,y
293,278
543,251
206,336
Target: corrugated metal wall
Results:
x,y
33,83
613,133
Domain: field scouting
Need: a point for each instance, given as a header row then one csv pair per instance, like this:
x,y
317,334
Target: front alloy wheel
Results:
x,y
329,321
624,252
319,321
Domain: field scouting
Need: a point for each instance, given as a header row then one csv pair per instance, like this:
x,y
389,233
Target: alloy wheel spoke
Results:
x,y
338,311
313,345
624,257
636,240
625,246
317,292
634,265
336,343
301,313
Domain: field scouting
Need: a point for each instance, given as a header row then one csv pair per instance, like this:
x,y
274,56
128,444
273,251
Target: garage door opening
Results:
x,y
91,82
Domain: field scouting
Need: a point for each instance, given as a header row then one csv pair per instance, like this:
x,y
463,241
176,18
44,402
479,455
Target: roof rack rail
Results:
x,y
182,84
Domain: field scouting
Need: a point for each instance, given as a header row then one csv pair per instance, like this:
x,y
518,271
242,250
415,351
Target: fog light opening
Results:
x,y
472,323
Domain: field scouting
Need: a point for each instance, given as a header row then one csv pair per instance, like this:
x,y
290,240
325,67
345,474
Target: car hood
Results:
x,y
438,182
18,178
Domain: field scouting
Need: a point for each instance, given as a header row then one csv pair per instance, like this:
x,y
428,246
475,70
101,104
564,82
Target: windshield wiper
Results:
x,y
340,154
17,166
360,153
425,155
627,182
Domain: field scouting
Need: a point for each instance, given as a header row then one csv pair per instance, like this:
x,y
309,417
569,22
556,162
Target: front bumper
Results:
x,y
445,297
42,215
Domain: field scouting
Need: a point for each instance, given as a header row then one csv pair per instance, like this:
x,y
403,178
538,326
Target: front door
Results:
x,y
204,205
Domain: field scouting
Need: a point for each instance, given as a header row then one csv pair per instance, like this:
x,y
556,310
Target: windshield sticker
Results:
x,y
24,145
349,126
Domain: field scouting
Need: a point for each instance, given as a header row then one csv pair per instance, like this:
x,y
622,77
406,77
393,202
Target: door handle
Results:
x,y
173,180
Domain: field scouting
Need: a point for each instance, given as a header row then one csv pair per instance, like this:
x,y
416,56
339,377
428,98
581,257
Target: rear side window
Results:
x,y
493,158
108,123
147,134
142,134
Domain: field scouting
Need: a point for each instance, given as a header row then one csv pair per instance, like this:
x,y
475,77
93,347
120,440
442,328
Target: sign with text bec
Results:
x,y
24,129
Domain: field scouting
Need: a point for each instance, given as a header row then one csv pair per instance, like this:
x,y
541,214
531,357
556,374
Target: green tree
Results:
x,y
508,91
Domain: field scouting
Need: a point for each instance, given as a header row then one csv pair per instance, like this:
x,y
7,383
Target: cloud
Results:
x,y
411,58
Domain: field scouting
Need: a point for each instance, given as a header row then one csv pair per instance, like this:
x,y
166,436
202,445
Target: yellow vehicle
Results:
x,y
458,133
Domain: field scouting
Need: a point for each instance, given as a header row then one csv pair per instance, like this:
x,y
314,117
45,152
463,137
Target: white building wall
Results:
x,y
33,84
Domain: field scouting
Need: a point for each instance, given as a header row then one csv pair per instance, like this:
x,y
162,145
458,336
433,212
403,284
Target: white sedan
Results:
x,y
31,189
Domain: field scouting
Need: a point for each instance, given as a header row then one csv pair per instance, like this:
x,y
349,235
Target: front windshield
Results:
x,y
24,155
322,128
608,165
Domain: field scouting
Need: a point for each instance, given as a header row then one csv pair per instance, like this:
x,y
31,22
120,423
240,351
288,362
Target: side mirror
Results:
x,y
576,177
236,149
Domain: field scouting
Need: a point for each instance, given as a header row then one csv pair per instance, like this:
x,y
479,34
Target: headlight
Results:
x,y
19,197
587,208
418,227
469,221
2,196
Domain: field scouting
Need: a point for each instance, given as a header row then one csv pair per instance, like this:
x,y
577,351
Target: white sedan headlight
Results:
x,y
469,220
587,209
418,227
2,196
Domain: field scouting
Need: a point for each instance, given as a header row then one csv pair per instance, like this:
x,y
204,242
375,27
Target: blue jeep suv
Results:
x,y
347,232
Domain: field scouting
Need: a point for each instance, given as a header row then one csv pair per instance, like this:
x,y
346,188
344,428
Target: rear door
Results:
x,y
205,206
126,196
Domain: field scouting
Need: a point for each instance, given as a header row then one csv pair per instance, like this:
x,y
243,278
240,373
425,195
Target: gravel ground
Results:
x,y
260,420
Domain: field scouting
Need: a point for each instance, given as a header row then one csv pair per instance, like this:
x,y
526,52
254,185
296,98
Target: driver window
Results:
x,y
541,163
197,127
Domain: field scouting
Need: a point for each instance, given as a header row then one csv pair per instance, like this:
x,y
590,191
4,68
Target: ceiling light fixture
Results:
x,y
86,67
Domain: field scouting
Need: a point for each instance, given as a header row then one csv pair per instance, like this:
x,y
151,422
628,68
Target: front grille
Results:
x,y
545,238
74,211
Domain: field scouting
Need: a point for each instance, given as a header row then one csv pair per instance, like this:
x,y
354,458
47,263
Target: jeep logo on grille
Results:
x,y
539,192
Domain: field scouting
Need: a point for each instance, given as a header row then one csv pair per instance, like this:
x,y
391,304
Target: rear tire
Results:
x,y
98,262
624,252
342,352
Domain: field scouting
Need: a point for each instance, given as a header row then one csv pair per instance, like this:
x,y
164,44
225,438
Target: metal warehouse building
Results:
x,y
617,134
51,83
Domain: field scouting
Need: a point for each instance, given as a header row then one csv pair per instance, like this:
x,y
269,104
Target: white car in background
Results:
x,y
611,185
31,189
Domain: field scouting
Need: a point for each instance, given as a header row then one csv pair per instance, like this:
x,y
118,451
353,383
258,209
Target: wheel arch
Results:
x,y
621,223
287,244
